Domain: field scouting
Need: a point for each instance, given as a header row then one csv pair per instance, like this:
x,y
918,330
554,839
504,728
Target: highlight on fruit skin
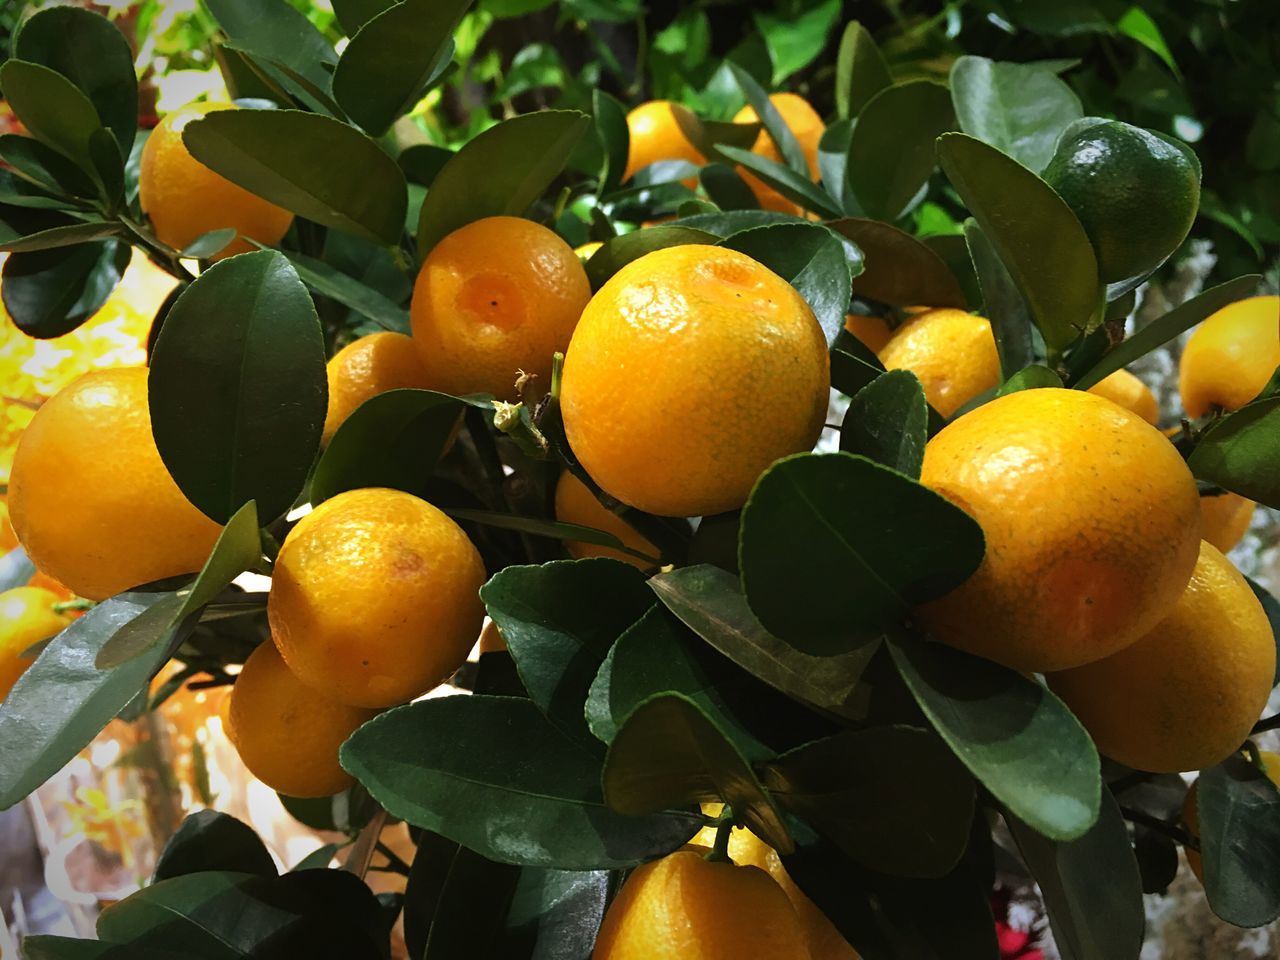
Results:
x,y
366,367
1230,357
1226,518
952,352
655,135
1124,389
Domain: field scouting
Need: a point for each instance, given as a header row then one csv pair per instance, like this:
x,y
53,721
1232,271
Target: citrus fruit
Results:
x,y
952,352
375,597
575,503
90,498
26,617
493,298
1191,809
287,733
587,250
685,907
491,639
693,368
1231,356
1092,525
1225,517
1186,694
655,134
366,367
872,331
1135,192
803,121
1126,390
185,199
8,539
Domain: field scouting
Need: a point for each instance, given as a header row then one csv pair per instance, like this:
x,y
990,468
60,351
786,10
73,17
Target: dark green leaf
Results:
x,y
1012,733
888,422
493,774
54,109
1003,305
833,165
67,236
1034,377
895,799
1157,857
796,187
282,84
468,914
422,162
1091,887
559,910
354,14
48,293
900,270
44,166
481,181
275,30
728,190
303,162
861,72
795,42
1239,829
237,386
326,280
1038,238
707,136
317,859
539,527
891,151
207,244
851,371
788,146
559,621
835,548
1240,452
615,138
618,252
209,840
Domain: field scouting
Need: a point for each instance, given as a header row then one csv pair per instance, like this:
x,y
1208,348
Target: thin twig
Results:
x,y
1170,830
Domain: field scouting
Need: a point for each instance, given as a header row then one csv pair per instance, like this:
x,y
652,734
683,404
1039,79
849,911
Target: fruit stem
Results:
x,y
1170,830
1262,726
79,603
724,828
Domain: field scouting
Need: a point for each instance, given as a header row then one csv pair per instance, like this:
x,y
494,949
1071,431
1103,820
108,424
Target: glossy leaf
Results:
x,y
1013,734
1038,238
275,30
728,222
1003,304
726,189
796,187
354,14
861,72
900,270
65,236
48,293
891,150
44,166
1240,452
618,252
610,118
493,774
888,422
851,371
1239,828
237,386
795,42
1137,24
52,108
788,146
835,547
210,840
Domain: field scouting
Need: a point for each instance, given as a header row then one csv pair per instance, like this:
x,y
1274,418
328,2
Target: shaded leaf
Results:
x,y
796,187
900,270
1240,452
888,422
1239,812
610,118
1003,305
276,31
788,146
48,293
861,72
52,108
66,236
44,166
209,840
891,150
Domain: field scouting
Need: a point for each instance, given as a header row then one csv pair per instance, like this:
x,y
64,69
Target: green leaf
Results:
x,y
1038,238
494,775
1239,810
726,189
422,162
386,67
207,244
540,527
209,840
275,30
835,548
895,799
1003,305
54,109
1012,733
728,222
1240,452
817,262
559,621
888,422
795,42
303,162
610,118
1137,24
788,146
65,236
833,164
237,386
1034,377
707,136
44,166
900,270
48,293
796,187
328,281
91,52
391,440
1091,887
861,72
282,84
1019,108
1160,331
63,701
891,151
354,14
481,181
851,371
618,252
668,751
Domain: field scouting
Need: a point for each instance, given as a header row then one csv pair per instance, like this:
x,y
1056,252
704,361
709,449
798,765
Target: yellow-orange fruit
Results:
x,y
366,367
26,617
952,352
655,134
1231,356
872,331
1226,518
803,121
1123,388
575,503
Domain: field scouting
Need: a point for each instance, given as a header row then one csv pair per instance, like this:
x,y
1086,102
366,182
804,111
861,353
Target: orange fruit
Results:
x,y
375,597
8,539
26,617
685,907
575,503
366,367
491,639
185,199
286,732
655,134
952,352
1226,518
872,331
496,297
1191,809
90,498
1126,390
1092,525
46,582
1185,695
803,121
693,368
1231,356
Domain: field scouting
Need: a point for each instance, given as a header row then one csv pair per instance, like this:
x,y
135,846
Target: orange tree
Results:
x,y
838,654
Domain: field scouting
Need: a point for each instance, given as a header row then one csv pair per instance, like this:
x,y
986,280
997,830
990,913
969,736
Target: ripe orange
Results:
x,y
8,539
26,617
1191,809
952,352
1231,356
185,199
287,733
872,331
798,114
575,503
1187,693
655,134
1092,525
375,597
90,498
685,907
1226,518
693,368
493,298
1126,390
367,367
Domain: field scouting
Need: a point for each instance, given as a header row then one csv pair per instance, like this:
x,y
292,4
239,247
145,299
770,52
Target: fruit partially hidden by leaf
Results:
x,y
1231,356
